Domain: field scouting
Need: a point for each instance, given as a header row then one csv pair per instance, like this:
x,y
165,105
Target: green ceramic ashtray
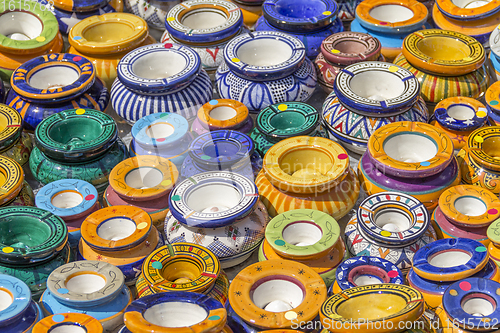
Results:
x,y
76,135
30,235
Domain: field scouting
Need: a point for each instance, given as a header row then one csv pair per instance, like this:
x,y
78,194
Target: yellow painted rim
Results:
x,y
470,28
476,146
13,176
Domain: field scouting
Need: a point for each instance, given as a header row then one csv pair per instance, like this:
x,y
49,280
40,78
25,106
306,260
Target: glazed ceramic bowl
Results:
x,y
68,321
176,82
175,311
14,142
222,114
355,308
264,297
11,180
465,11
492,98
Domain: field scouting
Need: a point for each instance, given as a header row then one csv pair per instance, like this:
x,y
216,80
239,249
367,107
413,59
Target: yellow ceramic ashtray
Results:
x,y
11,179
223,114
410,149
484,145
108,32
306,164
377,308
443,52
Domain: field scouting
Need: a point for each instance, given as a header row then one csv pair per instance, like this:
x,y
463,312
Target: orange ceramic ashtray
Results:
x,y
306,164
276,293
72,322
443,52
143,177
223,114
460,9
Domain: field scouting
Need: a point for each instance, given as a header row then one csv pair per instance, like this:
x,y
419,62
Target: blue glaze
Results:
x,y
445,120
302,15
472,247
453,301
311,40
495,62
347,9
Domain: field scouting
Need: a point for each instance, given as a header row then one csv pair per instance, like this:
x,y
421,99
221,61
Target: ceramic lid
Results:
x,y
484,316
392,16
470,206
495,38
214,318
76,135
70,76
202,21
79,6
75,190
213,199
159,68
160,130
410,219
465,10
287,119
221,149
264,55
424,50
494,232
492,97
237,114
428,265
483,146
35,15
143,177
123,32
300,15
21,297
348,47
460,113
11,179
391,148
395,91
69,321
306,223
10,125
16,222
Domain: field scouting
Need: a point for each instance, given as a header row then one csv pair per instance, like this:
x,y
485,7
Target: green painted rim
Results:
x,y
33,234
50,26
63,136
493,232
329,227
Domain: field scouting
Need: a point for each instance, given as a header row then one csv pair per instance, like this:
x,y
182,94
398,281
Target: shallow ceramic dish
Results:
x,y
68,321
222,114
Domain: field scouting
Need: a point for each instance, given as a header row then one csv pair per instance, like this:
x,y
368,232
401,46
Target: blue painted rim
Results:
x,y
264,73
21,298
178,122
274,17
87,5
379,203
343,270
405,30
367,106
471,287
43,198
445,120
126,74
237,139
469,17
86,77
440,287
186,215
232,25
476,249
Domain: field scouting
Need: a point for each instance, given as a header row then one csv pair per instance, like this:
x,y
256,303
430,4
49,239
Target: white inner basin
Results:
x,y
5,300
116,228
387,85
144,177
302,234
66,199
391,13
470,4
175,314
277,295
264,52
159,65
204,19
223,113
392,221
160,131
363,280
213,198
20,25
470,206
461,112
478,306
68,328
450,259
53,77
85,283
410,148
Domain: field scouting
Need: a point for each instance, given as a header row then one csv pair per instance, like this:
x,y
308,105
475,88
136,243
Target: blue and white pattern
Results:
x,y
257,95
444,119
133,106
347,9
153,12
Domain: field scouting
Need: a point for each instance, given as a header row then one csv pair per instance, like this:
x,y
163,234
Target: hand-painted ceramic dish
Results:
x,y
492,98
493,234
263,296
356,309
69,321
450,259
463,10
10,126
222,114
11,180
